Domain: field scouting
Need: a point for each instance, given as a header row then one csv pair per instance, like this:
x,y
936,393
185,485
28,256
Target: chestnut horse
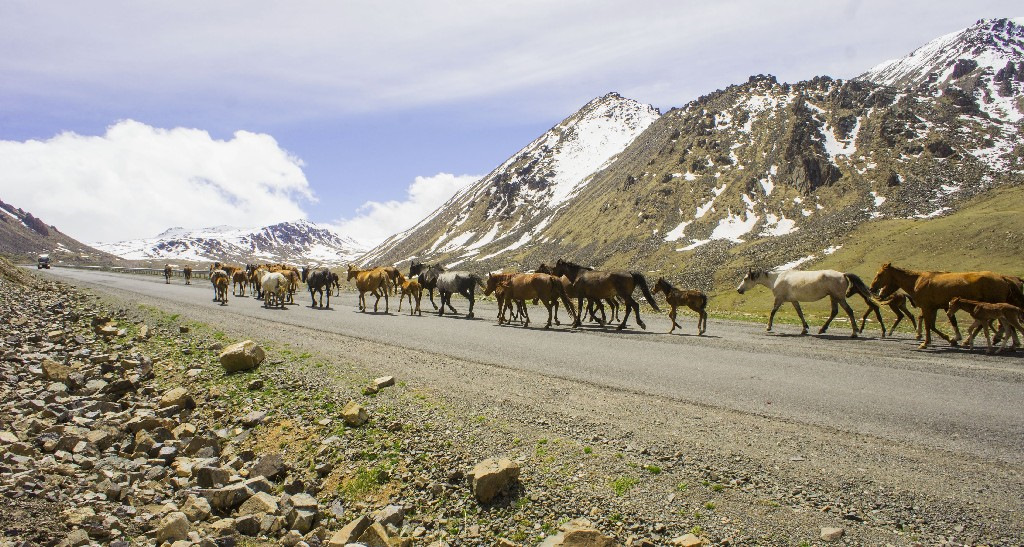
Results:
x,y
410,288
933,290
568,271
695,300
188,275
167,273
1008,315
796,286
530,286
370,281
219,280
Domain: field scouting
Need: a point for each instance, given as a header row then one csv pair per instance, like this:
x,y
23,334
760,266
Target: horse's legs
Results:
x,y
672,316
853,322
629,308
800,314
550,306
470,295
771,316
928,315
956,329
835,311
579,318
702,324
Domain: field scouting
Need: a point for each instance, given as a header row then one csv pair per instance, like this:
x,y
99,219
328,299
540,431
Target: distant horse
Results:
x,y
294,278
219,280
318,281
275,286
858,286
452,282
167,273
427,275
239,281
412,289
570,271
546,288
256,281
336,283
984,313
370,281
604,285
798,286
695,300
933,291
188,275
501,285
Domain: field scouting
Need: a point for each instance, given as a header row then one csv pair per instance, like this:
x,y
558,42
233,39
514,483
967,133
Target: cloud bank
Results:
x,y
136,181
376,221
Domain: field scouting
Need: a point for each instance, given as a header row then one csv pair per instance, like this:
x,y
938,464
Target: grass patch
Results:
x,y
621,485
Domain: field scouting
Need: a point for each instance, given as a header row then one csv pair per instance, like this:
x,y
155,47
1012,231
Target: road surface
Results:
x,y
944,398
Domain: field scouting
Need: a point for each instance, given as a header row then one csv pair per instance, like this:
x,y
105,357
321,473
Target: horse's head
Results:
x,y
544,268
415,268
352,271
955,305
305,273
752,278
883,281
662,286
492,283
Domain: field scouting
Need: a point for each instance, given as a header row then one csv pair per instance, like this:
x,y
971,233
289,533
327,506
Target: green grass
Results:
x,y
621,485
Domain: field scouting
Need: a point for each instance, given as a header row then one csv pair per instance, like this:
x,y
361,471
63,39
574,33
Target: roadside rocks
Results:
x,y
491,476
242,356
354,414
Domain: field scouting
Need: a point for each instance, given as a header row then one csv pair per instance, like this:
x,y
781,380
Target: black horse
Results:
x,y
318,281
427,274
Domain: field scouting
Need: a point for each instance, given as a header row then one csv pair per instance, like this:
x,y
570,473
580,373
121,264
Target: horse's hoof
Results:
x,y
854,335
954,343
923,346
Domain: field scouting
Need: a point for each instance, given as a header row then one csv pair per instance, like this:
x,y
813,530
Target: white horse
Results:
x,y
796,286
274,285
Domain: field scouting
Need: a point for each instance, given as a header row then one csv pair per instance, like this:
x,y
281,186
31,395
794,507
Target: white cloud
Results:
x,y
375,221
136,181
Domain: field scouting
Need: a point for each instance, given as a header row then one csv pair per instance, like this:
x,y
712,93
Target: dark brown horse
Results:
x,y
898,304
568,272
597,284
933,290
695,300
188,275
167,273
857,286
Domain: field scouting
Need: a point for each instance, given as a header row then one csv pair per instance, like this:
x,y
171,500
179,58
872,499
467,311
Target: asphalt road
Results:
x,y
943,398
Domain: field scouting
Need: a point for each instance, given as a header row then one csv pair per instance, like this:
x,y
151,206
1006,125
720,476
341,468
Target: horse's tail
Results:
x,y
639,279
910,299
556,284
858,286
703,301
1016,296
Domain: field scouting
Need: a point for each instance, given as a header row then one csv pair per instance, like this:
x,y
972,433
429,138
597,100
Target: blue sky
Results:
x,y
121,119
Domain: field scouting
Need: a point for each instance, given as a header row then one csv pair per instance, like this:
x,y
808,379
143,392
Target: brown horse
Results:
x,y
239,280
531,286
188,275
603,285
412,289
695,300
167,273
219,279
568,271
898,304
933,290
370,281
984,314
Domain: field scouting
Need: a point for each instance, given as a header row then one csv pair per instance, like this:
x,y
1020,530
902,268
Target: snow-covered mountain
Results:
x,y
761,173
298,242
985,60
512,204
23,236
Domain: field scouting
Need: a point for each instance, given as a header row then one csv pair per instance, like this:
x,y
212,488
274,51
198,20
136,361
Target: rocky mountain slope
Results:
x,y
299,242
24,236
763,173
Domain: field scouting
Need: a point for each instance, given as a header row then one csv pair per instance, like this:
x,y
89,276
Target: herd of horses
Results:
x,y
995,301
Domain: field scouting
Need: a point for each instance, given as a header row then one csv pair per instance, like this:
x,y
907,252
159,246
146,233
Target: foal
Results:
x,y
410,288
984,314
695,300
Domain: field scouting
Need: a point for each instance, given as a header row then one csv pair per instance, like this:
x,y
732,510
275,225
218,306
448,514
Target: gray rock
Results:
x,y
211,477
196,508
831,534
391,515
173,527
351,532
229,497
271,466
260,502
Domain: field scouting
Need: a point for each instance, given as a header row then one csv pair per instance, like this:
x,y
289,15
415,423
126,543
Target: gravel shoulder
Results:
x,y
644,467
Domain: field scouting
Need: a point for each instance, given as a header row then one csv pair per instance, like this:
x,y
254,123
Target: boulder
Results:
x,y
383,382
688,540
354,414
493,475
196,508
351,532
831,534
578,533
229,497
54,371
271,466
242,356
248,525
392,514
177,397
173,527
211,477
375,535
259,503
